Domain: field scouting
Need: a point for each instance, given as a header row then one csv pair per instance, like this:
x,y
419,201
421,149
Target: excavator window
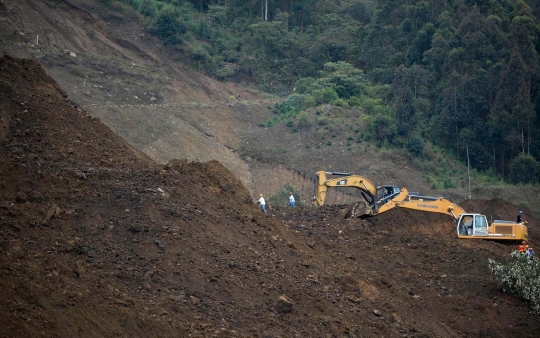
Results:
x,y
481,225
466,227
386,191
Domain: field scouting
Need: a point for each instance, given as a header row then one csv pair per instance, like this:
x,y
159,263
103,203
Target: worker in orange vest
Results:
x,y
523,247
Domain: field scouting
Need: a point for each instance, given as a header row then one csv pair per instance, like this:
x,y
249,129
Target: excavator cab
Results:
x,y
385,193
473,225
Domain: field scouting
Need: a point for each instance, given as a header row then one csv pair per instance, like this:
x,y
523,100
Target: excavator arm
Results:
x,y
422,203
322,183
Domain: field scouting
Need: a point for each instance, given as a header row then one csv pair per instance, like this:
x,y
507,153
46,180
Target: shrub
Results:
x,y
293,102
448,184
132,3
224,72
326,95
281,198
199,54
416,146
303,121
354,101
371,105
147,8
201,30
384,128
168,26
524,169
519,277
322,121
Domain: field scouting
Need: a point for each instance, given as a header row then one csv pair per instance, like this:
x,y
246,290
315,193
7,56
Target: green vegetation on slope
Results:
x,y
519,277
463,75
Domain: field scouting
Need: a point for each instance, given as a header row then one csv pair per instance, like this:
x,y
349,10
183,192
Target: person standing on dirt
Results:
x,y
530,252
291,200
520,218
262,203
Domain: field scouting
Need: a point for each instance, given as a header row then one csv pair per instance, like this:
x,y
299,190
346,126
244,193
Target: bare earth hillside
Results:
x,y
109,65
97,240
152,97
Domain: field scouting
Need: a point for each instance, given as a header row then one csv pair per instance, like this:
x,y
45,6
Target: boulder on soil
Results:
x,y
284,305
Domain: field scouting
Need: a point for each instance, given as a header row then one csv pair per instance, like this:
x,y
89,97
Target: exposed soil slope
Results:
x,y
96,240
148,94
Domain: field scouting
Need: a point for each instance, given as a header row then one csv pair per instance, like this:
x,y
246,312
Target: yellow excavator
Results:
x,y
382,198
385,197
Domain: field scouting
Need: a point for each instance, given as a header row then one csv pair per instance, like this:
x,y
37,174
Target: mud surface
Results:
x,y
96,240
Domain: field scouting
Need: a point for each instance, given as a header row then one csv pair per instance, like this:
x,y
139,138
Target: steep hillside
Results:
x,y
109,65
96,240
149,95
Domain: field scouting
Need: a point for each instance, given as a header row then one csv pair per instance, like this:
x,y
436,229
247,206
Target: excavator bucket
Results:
x,y
359,209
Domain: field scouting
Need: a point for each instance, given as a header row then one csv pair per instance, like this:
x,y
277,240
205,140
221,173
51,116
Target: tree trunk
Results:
x,y
455,119
302,19
502,161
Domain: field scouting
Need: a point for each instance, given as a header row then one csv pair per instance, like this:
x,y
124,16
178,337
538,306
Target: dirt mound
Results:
x,y
96,240
493,209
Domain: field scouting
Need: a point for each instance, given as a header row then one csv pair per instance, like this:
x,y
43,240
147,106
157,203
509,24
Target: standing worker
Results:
x,y
523,247
291,200
262,203
520,218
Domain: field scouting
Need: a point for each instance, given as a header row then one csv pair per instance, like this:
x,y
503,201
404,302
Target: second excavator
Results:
x,y
382,198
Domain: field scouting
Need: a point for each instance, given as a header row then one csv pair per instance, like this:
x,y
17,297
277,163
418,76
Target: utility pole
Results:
x,y
468,172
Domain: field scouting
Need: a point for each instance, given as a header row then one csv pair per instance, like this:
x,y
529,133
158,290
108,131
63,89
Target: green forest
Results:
x,y
460,74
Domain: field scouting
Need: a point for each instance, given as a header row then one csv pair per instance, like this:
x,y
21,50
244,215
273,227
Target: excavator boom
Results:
x,y
422,203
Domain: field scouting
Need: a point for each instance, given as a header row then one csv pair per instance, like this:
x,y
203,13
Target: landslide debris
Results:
x,y
96,240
